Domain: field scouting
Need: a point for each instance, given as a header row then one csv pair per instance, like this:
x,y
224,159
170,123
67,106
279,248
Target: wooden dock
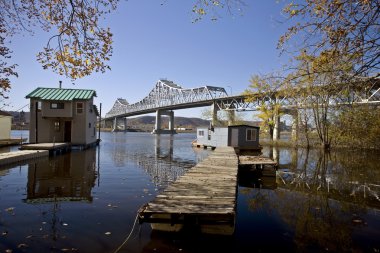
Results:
x,y
11,142
265,165
53,148
18,156
204,198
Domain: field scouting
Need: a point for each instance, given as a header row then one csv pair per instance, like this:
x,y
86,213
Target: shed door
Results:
x,y
234,137
67,135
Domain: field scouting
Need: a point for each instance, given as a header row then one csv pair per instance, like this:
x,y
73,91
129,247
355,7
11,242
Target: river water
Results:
x,y
86,201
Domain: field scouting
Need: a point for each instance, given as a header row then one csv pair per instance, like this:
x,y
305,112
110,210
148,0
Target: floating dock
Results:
x,y
256,161
265,165
23,155
52,148
11,142
204,198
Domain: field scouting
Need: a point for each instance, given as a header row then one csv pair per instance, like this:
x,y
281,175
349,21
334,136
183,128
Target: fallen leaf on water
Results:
x,y
22,245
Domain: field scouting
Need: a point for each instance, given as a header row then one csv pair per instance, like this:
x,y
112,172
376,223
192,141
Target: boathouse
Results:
x,y
239,136
5,125
63,115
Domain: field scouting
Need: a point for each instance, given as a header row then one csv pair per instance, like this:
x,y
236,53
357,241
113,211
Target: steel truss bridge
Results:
x,y
167,96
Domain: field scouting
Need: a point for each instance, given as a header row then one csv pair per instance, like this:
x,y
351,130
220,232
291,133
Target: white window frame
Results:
x,y
252,135
79,110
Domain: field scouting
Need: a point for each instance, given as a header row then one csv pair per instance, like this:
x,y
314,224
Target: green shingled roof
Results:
x,y
59,94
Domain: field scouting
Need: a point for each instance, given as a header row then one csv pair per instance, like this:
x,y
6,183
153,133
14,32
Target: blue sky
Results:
x,y
157,39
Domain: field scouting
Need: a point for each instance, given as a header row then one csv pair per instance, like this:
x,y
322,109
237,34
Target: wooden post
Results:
x,y
36,123
100,120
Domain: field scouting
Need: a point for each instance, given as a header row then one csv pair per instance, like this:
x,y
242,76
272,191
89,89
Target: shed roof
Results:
x,y
59,94
243,125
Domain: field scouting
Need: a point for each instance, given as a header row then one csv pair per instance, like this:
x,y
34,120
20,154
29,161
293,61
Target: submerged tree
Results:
x,y
357,126
317,87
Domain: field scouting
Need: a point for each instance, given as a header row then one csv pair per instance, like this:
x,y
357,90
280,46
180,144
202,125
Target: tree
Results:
x,y
357,126
79,45
350,28
316,86
225,118
266,90
202,8
5,70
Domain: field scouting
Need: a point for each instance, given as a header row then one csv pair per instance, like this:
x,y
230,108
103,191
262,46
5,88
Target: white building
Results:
x,y
5,125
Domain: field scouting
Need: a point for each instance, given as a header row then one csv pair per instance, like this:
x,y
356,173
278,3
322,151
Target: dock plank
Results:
x,y
207,189
20,156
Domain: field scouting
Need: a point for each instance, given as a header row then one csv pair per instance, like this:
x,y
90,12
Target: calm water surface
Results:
x,y
87,201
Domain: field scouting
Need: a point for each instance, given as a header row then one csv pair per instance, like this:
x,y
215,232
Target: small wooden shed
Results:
x,y
243,136
239,136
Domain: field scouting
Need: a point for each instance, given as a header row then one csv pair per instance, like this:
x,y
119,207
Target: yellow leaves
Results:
x,y
200,11
216,3
293,12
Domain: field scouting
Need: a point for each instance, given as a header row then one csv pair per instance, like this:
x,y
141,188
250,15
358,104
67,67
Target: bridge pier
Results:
x,y
276,129
115,124
214,113
158,129
295,116
231,117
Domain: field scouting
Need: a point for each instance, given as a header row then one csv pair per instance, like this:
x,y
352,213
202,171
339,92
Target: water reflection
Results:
x,y
163,157
68,177
341,175
316,202
329,200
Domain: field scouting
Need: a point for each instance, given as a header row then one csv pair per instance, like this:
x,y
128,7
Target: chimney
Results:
x,y
60,84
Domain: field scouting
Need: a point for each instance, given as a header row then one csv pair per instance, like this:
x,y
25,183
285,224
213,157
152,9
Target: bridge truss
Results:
x,y
167,95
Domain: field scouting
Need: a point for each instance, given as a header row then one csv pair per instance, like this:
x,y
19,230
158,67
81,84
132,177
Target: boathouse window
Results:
x,y
201,133
79,108
56,126
38,105
57,105
251,135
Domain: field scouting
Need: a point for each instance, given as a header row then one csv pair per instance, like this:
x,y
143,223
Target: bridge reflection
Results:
x,y
161,159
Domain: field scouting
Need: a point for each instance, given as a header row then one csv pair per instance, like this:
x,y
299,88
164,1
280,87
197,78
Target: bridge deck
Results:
x,y
205,197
